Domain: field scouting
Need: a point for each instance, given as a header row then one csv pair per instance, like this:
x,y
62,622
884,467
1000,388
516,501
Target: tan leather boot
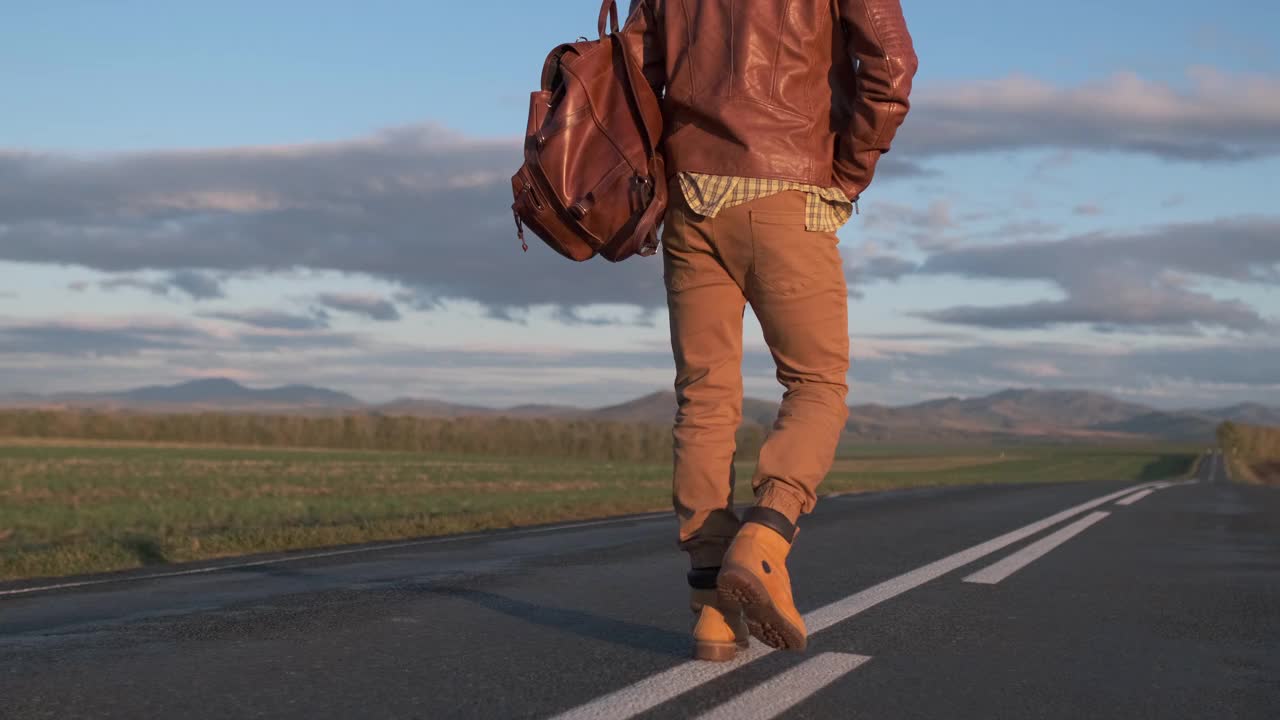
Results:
x,y
754,577
717,635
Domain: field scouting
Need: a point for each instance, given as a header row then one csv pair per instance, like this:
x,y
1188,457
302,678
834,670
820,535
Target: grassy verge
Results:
x,y
76,508
1252,451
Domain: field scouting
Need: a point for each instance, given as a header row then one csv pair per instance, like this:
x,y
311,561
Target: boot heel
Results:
x,y
715,652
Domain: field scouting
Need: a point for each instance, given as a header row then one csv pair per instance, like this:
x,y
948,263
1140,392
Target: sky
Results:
x,y
1083,197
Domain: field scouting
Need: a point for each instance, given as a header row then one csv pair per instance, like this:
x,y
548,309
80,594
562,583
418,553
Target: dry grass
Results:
x,y
1252,451
1266,472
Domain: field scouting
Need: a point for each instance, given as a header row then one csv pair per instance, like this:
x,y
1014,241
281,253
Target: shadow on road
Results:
x,y
596,627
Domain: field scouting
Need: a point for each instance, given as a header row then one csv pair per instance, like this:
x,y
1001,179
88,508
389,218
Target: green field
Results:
x,y
75,507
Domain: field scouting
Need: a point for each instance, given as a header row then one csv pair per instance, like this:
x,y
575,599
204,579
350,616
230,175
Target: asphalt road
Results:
x,y
1052,601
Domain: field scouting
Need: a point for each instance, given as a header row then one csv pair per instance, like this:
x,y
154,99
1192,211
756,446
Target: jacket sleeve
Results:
x,y
643,24
885,63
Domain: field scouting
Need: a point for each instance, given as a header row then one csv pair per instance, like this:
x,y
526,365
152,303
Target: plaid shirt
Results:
x,y
826,211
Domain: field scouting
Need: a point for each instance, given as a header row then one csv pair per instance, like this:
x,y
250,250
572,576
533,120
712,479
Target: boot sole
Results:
x,y
739,588
715,652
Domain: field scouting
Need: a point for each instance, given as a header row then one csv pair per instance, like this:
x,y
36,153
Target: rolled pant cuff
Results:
x,y
786,501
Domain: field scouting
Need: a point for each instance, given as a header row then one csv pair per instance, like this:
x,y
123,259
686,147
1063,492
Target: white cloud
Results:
x,y
1220,117
1135,280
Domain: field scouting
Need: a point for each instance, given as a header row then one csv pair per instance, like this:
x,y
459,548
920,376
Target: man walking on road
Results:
x,y
776,112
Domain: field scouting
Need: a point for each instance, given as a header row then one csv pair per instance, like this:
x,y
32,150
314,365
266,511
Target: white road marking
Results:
x,y
330,553
1134,497
656,689
782,692
1029,554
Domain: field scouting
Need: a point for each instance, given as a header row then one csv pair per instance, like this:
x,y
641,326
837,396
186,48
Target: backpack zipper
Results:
x,y
520,230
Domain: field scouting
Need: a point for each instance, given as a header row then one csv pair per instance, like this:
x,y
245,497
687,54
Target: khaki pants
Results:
x,y
757,253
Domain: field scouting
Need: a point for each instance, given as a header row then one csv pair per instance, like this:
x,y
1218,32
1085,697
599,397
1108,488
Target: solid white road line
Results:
x,y
656,689
331,553
1029,554
1134,497
782,692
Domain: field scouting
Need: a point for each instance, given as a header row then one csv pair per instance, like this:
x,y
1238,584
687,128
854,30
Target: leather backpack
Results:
x,y
593,182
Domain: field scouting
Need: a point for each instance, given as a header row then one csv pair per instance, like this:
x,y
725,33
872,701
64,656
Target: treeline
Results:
x,y
500,436
1252,450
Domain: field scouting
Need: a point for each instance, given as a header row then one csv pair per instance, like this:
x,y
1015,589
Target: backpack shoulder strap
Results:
x,y
638,88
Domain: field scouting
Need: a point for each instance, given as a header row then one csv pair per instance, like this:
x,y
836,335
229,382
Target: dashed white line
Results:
x,y
1134,497
657,689
782,692
1024,557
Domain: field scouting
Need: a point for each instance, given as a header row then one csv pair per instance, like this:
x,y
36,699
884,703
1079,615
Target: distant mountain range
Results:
x,y
210,394
1009,416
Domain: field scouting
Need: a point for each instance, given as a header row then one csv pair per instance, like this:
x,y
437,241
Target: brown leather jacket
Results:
x,y
804,90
